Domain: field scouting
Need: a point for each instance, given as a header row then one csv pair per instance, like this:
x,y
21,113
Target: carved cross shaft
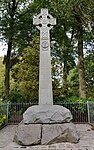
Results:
x,y
44,22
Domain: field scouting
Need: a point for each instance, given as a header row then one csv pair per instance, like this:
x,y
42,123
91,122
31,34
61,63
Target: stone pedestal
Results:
x,y
46,114
46,125
33,134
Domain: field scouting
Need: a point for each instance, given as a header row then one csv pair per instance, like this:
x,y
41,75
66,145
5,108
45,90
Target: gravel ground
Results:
x,y
86,140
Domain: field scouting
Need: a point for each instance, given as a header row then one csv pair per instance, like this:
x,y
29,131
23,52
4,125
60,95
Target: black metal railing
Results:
x,y
14,111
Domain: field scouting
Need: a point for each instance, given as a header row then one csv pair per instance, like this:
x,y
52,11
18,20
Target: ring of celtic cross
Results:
x,y
45,44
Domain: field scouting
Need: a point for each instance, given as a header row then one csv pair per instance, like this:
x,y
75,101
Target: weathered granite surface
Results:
x,y
47,114
28,134
58,133
33,134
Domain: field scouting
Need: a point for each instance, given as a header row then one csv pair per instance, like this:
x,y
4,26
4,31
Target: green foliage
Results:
x,y
25,73
77,104
2,121
73,83
89,74
2,76
70,99
16,97
2,69
2,113
76,99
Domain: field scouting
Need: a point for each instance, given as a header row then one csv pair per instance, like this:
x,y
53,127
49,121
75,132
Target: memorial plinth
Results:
x,y
45,123
46,115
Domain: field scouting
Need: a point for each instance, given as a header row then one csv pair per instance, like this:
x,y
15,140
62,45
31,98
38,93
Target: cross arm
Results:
x,y
37,20
52,20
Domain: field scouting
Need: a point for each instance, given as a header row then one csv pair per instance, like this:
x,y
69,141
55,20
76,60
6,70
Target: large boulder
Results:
x,y
28,134
47,114
34,134
57,133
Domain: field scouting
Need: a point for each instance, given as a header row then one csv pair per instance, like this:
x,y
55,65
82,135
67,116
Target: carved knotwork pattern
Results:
x,y
44,35
44,12
44,22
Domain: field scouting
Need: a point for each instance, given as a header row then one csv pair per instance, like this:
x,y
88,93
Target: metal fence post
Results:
x,y
7,112
88,110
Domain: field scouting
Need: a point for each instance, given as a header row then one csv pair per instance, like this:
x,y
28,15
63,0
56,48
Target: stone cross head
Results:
x,y
44,20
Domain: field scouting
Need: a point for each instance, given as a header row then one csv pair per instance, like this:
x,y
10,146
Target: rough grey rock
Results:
x,y
28,134
47,114
34,134
57,133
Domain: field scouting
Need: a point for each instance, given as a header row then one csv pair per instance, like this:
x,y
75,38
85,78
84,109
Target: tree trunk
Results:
x,y
12,9
7,69
65,73
80,20
81,70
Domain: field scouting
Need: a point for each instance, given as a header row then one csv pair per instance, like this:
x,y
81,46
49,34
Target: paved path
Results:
x,y
86,140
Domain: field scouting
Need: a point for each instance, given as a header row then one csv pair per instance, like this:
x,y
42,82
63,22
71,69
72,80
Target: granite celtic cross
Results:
x,y
44,22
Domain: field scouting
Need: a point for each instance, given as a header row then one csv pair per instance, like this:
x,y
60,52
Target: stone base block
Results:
x,y
28,134
57,133
47,114
33,134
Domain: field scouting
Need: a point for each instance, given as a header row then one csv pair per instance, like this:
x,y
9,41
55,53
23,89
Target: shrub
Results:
x,y
2,121
16,97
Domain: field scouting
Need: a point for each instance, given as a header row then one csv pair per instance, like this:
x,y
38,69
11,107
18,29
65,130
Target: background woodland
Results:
x,y
72,50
